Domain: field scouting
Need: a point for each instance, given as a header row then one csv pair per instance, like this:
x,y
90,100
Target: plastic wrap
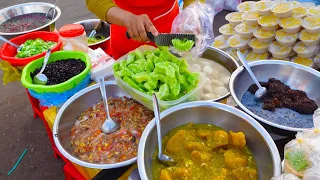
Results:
x,y
195,19
316,59
311,137
58,99
231,5
296,156
314,172
316,118
286,177
218,5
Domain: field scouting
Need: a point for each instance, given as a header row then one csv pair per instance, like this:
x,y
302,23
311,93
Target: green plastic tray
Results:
x,y
27,81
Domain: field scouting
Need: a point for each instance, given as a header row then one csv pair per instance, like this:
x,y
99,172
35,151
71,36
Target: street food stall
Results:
x,y
213,125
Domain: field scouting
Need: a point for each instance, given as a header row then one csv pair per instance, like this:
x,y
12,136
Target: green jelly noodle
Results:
x,y
182,45
297,160
96,39
157,72
33,47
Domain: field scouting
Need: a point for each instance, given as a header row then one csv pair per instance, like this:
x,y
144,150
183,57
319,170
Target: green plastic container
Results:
x,y
27,81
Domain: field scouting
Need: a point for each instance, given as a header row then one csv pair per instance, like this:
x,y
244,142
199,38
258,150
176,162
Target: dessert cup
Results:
x,y
283,10
264,36
291,24
309,39
258,47
269,22
227,30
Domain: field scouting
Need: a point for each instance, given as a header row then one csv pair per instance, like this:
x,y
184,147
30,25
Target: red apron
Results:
x,y
163,10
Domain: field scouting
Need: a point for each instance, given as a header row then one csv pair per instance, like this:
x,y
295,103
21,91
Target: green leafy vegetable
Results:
x,y
157,72
182,45
34,47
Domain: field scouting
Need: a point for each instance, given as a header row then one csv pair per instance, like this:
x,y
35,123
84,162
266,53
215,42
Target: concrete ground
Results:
x,y
19,130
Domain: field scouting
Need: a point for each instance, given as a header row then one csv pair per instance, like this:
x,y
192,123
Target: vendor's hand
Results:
x,y
138,26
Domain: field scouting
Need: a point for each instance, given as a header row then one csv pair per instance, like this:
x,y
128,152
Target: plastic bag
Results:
x,y
231,5
286,177
10,73
316,60
58,99
195,19
218,5
296,156
316,118
311,137
313,173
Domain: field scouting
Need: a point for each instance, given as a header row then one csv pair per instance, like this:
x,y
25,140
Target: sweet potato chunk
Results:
x,y
235,159
203,134
175,143
237,139
243,173
194,146
200,157
182,173
218,139
165,175
197,146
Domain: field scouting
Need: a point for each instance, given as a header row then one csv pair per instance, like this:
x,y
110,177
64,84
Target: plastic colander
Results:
x,y
58,88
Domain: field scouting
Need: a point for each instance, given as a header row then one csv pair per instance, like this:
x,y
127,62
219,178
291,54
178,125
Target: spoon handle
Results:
x,y
45,61
54,9
104,95
98,25
157,118
246,65
9,42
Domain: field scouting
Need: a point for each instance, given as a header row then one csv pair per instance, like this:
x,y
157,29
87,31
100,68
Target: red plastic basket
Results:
x,y
8,52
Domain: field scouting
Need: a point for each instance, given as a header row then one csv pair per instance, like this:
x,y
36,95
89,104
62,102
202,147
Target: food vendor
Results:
x,y
137,17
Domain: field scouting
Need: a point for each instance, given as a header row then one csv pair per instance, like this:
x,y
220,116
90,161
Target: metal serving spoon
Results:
x,y
262,91
54,10
11,43
41,78
164,159
109,125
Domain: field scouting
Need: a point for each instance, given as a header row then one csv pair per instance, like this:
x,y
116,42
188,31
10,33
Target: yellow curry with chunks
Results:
x,y
206,152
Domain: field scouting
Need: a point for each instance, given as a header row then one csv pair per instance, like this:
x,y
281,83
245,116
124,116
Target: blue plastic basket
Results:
x,y
57,99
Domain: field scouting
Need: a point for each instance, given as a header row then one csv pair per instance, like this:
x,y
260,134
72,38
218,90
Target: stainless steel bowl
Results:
x,y
259,141
66,118
224,59
294,75
33,7
90,24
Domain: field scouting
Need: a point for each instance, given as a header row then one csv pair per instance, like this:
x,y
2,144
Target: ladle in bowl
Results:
x,y
54,10
262,91
109,125
41,78
163,159
11,43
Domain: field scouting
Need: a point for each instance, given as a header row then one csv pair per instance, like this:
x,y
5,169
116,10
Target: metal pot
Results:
x,y
89,25
66,118
294,75
224,59
26,8
259,141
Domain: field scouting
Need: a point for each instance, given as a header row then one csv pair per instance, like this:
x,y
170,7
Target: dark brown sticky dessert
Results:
x,y
282,96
